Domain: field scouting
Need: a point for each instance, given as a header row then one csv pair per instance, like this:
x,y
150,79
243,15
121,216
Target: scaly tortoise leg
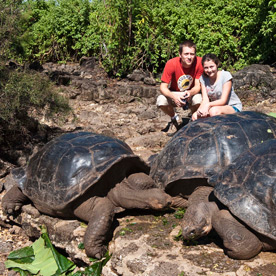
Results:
x,y
13,200
239,242
97,232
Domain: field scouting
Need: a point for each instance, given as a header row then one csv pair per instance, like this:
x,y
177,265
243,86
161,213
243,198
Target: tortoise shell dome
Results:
x,y
66,167
203,147
248,188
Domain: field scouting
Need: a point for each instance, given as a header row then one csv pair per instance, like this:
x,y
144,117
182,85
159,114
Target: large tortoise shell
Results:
x,y
248,188
66,167
204,147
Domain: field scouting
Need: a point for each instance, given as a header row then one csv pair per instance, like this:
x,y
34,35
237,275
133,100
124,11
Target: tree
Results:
x,y
9,27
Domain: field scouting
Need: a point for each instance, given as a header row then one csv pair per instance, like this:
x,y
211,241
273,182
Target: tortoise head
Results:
x,y
197,220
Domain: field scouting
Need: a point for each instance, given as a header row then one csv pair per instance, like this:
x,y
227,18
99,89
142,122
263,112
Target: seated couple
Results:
x,y
183,79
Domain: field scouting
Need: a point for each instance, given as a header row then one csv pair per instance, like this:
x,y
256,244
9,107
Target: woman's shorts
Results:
x,y
236,109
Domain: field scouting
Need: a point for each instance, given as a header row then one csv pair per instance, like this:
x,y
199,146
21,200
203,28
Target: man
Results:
x,y
180,82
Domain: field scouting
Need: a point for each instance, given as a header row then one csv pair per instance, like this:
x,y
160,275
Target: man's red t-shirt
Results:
x,y
179,78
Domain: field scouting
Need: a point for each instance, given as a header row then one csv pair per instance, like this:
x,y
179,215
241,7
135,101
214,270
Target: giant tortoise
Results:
x,y
242,208
205,147
88,176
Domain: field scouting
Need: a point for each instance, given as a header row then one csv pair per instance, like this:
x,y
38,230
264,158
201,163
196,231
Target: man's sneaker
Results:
x,y
166,129
176,122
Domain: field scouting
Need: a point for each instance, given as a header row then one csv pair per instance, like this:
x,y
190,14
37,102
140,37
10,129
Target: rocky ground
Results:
x,y
143,243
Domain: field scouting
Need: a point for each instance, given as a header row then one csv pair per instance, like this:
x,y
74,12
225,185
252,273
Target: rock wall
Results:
x,y
256,83
88,81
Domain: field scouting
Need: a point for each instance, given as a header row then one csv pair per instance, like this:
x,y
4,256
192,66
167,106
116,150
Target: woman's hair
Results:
x,y
211,57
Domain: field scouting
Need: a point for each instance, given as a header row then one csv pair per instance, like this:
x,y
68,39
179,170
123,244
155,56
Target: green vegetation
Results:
x,y
25,95
179,213
125,230
273,114
41,258
10,28
22,91
129,34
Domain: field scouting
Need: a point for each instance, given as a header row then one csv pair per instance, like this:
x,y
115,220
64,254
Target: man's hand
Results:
x,y
179,98
187,95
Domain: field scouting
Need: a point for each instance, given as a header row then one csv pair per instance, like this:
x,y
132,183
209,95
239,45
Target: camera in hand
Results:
x,y
186,106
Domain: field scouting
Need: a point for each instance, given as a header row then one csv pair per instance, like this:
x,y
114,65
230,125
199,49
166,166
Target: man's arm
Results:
x,y
194,90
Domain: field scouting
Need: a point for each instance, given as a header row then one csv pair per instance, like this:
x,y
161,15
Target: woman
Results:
x,y
218,96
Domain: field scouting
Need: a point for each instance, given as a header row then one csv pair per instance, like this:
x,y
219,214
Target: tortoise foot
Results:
x,y
13,200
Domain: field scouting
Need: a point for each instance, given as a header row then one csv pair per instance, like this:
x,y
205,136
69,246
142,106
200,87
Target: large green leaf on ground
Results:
x,y
273,114
41,257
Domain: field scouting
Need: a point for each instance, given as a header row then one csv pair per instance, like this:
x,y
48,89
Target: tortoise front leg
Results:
x,y
239,242
13,200
99,224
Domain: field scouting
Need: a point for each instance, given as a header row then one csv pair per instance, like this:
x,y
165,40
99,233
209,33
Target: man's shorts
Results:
x,y
162,100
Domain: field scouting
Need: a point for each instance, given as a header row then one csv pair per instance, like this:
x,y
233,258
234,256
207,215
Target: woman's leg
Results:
x,y
194,116
219,110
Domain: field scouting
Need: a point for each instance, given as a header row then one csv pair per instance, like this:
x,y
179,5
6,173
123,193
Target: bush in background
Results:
x,y
130,34
26,95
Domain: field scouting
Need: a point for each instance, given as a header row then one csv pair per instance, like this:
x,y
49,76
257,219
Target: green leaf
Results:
x,y
28,267
96,268
62,262
273,114
81,245
42,261
179,214
40,258
23,255
106,258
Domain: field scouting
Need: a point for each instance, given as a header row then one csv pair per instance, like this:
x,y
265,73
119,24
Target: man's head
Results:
x,y
187,53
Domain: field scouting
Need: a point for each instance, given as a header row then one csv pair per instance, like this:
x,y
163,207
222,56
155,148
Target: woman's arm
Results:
x,y
226,89
203,109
